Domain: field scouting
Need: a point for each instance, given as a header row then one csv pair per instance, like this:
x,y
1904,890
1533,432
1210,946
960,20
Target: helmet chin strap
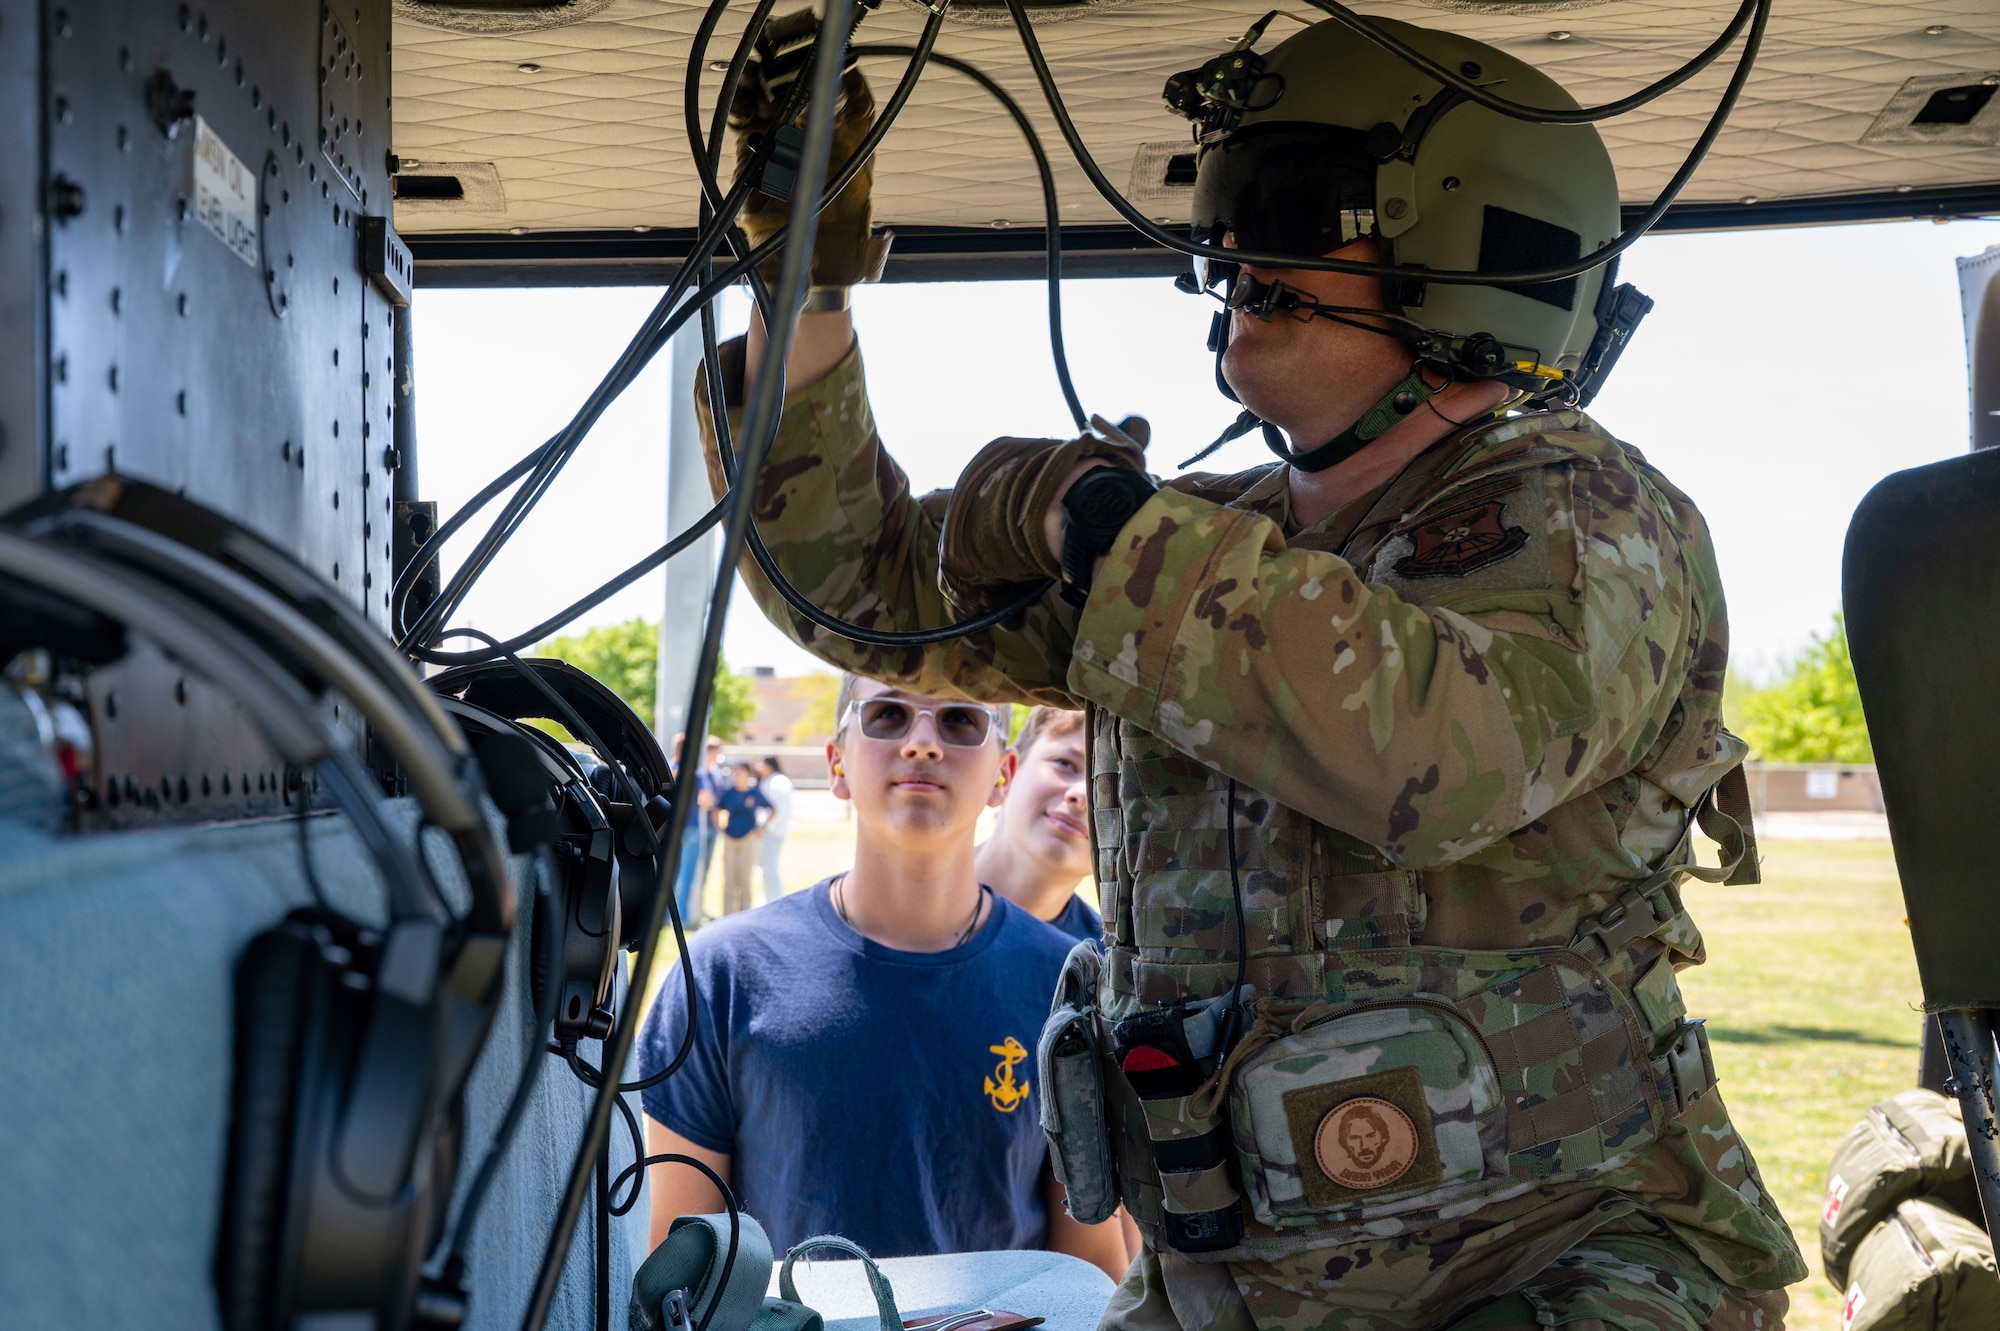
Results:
x,y
1267,300
1391,407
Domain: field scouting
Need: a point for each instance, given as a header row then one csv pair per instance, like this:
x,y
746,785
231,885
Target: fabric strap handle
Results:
x,y
885,1297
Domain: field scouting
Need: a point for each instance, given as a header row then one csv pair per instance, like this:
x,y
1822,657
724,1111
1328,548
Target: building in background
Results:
x,y
791,719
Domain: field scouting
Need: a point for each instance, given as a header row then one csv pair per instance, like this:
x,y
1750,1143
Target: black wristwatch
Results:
x,y
1097,507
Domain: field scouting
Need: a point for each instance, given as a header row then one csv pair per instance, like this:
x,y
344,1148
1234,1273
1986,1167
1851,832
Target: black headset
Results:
x,y
353,1043
606,822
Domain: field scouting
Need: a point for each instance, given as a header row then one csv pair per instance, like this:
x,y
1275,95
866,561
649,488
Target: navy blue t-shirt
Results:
x,y
884,1095
1078,920
741,806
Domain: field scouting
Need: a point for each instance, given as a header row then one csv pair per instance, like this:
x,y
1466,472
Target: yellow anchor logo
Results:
x,y
1006,1093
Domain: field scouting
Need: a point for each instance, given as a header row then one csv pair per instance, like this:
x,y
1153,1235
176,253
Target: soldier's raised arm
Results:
x,y
831,504
838,516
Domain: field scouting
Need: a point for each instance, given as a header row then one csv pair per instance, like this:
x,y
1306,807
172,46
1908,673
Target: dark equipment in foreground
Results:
x,y
1921,583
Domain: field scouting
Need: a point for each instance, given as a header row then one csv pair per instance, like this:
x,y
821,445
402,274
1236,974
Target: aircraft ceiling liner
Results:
x,y
572,120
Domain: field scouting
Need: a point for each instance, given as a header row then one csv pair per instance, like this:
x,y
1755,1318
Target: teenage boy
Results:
x,y
863,1051
1039,853
740,812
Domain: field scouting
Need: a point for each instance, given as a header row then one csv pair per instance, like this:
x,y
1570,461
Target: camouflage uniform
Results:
x,y
1447,729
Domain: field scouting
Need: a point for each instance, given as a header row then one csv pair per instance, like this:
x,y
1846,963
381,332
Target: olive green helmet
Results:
x,y
1329,137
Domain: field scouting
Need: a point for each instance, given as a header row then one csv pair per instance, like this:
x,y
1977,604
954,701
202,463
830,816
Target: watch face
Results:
x,y
1105,499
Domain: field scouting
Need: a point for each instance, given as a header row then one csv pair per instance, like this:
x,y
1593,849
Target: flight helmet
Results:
x,y
1329,138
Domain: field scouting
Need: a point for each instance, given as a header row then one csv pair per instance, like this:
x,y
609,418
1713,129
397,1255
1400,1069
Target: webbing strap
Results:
x,y
1173,1119
885,1297
1193,1191
1687,1067
1723,814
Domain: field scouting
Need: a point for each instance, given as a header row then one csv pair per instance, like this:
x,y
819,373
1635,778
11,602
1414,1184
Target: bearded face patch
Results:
x,y
1366,1142
1362,1137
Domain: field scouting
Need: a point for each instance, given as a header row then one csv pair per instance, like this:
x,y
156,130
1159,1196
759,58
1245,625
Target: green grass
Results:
x,y
1811,997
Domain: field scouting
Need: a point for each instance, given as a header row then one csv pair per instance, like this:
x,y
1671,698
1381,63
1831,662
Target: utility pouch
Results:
x,y
1368,1114
1910,1145
1070,1060
1923,1269
1201,1204
693,1278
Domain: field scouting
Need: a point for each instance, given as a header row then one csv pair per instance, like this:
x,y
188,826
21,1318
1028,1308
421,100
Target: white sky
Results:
x,y
1780,375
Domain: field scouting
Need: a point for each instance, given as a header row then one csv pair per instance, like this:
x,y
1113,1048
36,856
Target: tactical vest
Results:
x,y
1389,1080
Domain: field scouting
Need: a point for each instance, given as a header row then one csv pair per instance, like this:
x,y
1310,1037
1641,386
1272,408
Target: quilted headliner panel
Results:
x,y
590,137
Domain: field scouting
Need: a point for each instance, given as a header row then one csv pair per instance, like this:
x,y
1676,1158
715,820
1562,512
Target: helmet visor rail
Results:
x,y
1287,189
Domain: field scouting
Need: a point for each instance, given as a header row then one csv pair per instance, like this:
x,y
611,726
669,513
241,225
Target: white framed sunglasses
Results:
x,y
963,725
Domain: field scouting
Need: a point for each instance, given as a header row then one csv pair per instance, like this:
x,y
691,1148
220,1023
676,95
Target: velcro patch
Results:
x,y
1363,1136
1491,537
1462,541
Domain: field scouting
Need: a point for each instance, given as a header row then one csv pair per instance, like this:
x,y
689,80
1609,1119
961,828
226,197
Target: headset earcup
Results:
x,y
275,981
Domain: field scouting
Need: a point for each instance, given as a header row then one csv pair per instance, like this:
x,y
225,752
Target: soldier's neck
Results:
x,y
1314,494
913,899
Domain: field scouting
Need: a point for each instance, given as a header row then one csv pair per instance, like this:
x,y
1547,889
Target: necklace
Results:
x,y
839,896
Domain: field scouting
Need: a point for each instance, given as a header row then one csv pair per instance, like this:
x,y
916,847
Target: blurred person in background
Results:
x,y
693,871
715,775
1039,853
740,812
777,788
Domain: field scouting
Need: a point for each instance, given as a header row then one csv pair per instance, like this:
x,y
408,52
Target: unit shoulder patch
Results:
x,y
1468,538
1489,537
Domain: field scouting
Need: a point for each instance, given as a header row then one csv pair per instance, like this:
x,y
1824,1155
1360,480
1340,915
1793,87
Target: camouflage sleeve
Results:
x,y
1506,650
838,517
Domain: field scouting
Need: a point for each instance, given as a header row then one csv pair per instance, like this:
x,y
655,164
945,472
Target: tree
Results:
x,y
1813,713
733,704
819,692
626,659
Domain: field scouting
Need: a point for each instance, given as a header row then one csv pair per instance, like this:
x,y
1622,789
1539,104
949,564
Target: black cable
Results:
x,y
729,1204
719,409
590,601
541,468
592,1077
571,718
1450,276
1051,208
428,552
580,1067
760,431
1242,931
552,456
1538,115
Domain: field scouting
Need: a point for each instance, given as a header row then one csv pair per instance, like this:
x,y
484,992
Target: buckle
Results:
x,y
1690,1064
675,1313
1631,917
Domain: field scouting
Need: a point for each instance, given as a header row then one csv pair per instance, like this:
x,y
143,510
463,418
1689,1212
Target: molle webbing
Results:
x,y
1582,1078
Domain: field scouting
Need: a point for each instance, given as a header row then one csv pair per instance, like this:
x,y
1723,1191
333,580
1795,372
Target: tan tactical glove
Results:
x,y
993,542
844,253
